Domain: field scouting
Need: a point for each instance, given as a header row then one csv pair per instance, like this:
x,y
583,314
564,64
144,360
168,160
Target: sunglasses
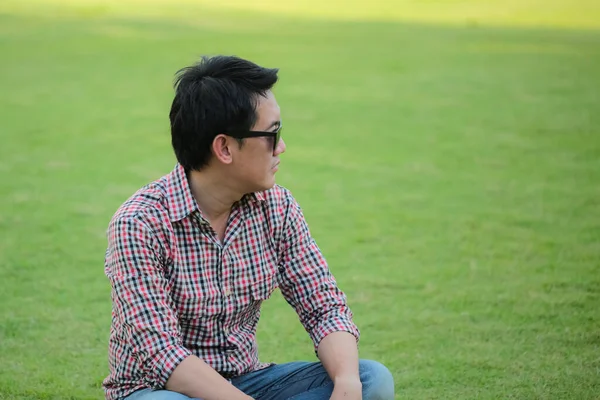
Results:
x,y
275,136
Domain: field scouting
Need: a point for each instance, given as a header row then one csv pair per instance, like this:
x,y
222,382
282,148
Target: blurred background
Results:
x,y
446,155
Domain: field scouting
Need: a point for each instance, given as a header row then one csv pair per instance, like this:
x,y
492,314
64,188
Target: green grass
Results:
x,y
449,170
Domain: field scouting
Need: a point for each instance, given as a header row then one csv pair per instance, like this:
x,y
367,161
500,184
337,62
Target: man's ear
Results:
x,y
221,147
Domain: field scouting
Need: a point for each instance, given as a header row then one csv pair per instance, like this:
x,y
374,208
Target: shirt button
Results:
x,y
226,331
227,292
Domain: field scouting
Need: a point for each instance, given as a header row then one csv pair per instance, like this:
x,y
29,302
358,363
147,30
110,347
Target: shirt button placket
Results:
x,y
226,290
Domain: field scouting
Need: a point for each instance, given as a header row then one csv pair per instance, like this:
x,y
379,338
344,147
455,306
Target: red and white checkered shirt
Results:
x,y
177,290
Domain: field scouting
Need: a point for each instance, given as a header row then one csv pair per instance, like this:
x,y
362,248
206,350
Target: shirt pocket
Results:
x,y
263,289
195,308
262,282
195,295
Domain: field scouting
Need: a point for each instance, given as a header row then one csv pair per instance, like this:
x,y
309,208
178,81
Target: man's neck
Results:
x,y
214,198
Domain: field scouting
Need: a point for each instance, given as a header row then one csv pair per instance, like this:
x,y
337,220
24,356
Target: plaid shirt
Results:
x,y
177,290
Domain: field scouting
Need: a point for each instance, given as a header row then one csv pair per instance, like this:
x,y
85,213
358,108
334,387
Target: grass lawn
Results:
x,y
448,163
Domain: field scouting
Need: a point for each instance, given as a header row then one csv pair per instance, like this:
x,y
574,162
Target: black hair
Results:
x,y
215,95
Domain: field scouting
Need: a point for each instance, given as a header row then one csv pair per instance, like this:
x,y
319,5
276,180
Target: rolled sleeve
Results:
x,y
143,314
307,283
339,322
163,364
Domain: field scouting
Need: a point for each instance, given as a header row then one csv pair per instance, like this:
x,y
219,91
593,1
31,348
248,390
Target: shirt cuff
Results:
x,y
164,364
338,323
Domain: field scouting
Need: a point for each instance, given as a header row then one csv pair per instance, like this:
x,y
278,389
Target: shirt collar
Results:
x,y
256,197
180,199
179,195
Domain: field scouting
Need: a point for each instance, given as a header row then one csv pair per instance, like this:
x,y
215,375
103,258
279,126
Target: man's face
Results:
x,y
256,163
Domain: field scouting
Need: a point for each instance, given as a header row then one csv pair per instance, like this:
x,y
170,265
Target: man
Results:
x,y
192,256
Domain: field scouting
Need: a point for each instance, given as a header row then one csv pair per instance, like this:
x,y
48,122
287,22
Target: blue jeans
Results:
x,y
295,380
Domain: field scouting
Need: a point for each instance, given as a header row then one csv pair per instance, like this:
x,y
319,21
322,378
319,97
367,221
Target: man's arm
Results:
x,y
310,288
143,310
196,379
339,354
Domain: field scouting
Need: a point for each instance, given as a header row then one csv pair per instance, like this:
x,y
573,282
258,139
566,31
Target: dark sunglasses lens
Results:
x,y
276,139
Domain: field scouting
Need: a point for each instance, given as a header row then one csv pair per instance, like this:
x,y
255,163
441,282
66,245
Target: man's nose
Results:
x,y
280,147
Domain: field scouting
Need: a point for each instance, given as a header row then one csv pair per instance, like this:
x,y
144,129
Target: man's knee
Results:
x,y
377,381
148,394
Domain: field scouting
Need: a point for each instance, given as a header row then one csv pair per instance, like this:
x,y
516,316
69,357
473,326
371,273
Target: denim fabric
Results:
x,y
296,380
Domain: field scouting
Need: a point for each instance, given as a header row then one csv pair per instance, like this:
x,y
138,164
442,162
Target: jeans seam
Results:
x,y
308,391
279,386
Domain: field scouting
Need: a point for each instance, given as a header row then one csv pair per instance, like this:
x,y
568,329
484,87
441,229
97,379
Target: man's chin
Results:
x,y
267,185
262,186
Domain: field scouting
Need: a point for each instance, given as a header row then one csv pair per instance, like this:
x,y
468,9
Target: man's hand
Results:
x,y
347,389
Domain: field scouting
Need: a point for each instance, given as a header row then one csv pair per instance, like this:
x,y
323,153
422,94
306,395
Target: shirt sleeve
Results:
x,y
306,281
142,311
